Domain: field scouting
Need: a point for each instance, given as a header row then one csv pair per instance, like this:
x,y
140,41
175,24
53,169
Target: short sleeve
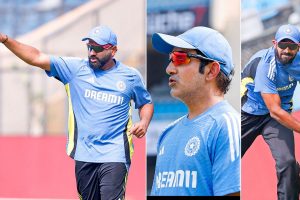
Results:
x,y
140,95
64,68
226,156
265,78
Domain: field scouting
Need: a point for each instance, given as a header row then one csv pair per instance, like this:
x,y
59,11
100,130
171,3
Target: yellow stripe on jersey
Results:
x,y
245,81
292,104
71,125
129,137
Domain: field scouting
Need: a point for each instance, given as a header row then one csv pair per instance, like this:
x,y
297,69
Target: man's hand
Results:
x,y
3,38
139,129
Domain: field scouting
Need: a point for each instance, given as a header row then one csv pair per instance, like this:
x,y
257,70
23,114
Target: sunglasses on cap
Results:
x,y
98,48
183,58
290,45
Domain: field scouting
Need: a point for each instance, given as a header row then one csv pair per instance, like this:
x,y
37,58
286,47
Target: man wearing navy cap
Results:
x,y
269,80
198,154
100,90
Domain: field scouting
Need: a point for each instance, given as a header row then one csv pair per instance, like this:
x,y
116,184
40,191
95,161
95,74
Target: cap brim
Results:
x,y
165,43
288,37
101,42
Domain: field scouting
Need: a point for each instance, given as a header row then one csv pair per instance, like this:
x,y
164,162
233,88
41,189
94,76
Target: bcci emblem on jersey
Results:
x,y
121,86
192,146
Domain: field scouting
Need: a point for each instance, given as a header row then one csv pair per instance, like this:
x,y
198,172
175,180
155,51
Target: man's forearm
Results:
x,y
27,53
146,113
286,119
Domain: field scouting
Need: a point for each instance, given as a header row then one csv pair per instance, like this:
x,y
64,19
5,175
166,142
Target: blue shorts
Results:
x,y
101,181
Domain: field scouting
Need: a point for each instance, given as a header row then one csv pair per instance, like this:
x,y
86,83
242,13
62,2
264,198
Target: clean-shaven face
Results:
x,y
185,79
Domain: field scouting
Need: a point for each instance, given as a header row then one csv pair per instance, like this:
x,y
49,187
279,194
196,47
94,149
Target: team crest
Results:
x,y
291,79
192,146
121,86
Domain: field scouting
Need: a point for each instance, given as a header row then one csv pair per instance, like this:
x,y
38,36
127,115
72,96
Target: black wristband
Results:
x,y
5,39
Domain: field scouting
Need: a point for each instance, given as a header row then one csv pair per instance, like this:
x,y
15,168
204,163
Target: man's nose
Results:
x,y
171,69
92,52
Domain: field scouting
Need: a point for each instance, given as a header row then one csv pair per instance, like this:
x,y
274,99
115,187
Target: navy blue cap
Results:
x,y
288,31
209,41
102,35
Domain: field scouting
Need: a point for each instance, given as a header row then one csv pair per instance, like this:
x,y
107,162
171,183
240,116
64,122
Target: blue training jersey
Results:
x,y
200,157
99,108
264,74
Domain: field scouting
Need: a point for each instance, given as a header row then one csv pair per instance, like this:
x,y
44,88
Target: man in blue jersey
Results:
x,y
100,90
198,154
268,84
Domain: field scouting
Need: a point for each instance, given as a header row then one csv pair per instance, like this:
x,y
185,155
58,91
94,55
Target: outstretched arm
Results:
x,y
273,103
139,129
28,54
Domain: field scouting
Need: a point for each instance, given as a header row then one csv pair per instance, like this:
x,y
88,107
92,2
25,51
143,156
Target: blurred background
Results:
x,y
33,117
260,20
175,17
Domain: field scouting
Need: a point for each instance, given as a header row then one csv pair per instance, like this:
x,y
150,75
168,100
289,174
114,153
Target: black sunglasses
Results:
x,y
98,48
290,45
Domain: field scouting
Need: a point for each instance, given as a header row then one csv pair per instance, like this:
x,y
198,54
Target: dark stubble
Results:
x,y
285,60
100,63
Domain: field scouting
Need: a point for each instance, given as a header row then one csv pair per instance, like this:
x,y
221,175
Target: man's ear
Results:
x,y
213,70
274,42
114,50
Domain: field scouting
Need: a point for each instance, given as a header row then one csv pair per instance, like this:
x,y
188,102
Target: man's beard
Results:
x,y
100,63
284,61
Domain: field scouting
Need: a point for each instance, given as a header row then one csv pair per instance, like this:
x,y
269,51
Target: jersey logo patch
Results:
x,y
291,79
192,146
91,80
121,85
161,151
